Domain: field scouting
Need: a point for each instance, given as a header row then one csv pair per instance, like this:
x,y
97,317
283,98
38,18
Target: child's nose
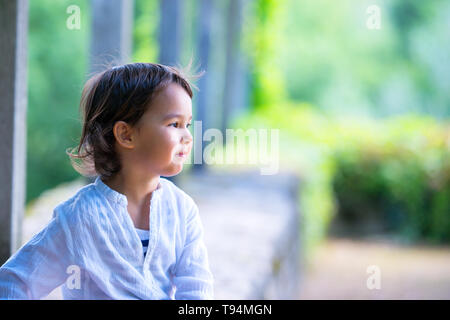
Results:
x,y
187,137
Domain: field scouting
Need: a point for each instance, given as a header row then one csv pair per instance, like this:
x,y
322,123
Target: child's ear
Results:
x,y
123,133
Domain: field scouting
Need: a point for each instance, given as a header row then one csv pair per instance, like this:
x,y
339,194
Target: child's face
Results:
x,y
162,137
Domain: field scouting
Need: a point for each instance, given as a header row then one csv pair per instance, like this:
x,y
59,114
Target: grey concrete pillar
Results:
x,y
234,73
204,18
13,102
111,37
170,31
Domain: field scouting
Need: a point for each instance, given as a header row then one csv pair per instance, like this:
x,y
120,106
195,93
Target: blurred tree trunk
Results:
x,y
233,99
203,53
112,23
13,104
170,31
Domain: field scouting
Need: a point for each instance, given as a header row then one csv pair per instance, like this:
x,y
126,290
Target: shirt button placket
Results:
x,y
152,238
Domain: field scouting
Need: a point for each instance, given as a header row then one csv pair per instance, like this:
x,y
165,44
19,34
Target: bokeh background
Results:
x,y
362,112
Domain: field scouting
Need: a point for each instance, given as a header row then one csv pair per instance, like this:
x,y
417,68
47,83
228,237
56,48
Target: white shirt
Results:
x,y
91,247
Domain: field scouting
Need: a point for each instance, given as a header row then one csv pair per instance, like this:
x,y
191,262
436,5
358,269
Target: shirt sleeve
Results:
x,y
38,267
193,279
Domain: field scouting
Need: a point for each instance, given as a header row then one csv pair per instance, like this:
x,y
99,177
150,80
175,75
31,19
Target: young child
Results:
x,y
131,234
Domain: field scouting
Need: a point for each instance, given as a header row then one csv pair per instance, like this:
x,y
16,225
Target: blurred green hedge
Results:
x,y
404,175
395,167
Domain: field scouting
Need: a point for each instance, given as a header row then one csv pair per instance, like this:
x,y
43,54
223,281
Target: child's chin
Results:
x,y
174,171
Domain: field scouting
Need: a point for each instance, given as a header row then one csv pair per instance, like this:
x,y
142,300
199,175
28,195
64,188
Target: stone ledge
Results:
x,y
251,230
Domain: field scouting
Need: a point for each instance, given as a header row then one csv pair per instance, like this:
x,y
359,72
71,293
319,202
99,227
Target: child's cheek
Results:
x,y
173,139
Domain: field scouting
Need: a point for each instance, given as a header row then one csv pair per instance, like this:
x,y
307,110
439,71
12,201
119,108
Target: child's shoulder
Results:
x,y
84,200
175,193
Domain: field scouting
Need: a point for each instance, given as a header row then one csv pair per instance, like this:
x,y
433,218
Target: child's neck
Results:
x,y
136,189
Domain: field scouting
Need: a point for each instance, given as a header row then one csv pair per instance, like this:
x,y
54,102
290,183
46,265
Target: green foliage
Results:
x,y
404,175
317,54
57,64
325,55
262,39
398,168
146,19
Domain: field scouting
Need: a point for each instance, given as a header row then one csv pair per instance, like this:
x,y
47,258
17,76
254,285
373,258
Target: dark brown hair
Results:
x,y
121,93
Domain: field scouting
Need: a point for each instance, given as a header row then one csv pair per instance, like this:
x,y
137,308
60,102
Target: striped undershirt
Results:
x,y
143,235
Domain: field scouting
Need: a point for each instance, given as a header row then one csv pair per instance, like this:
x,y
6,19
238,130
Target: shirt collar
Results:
x,y
118,197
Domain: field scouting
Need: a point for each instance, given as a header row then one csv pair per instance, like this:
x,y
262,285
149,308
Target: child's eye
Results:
x,y
175,124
